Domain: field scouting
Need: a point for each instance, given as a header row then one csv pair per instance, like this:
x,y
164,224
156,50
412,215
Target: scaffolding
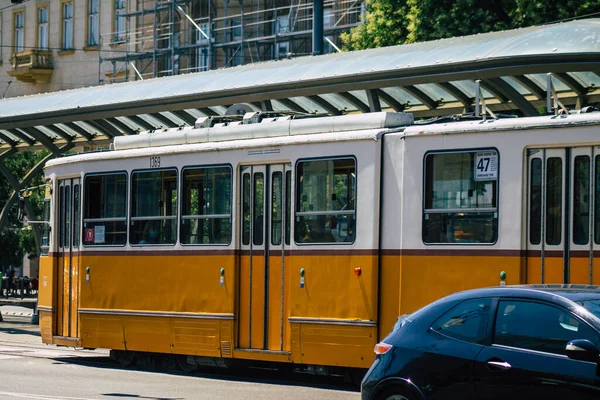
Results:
x,y
157,38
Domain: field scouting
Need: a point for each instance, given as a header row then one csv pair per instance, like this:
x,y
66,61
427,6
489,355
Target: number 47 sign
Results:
x,y
486,165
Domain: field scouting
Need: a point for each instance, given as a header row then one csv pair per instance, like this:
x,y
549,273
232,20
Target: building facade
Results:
x,y
50,45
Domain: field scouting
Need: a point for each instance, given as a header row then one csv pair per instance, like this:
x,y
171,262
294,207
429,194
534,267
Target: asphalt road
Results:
x,y
32,370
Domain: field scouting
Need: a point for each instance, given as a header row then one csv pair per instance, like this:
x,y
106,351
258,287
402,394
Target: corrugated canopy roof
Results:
x,y
428,79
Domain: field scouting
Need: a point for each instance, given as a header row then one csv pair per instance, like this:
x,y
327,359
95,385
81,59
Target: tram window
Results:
x,y
326,201
581,200
535,202
61,212
153,207
554,201
45,247
288,205
105,210
276,208
597,200
259,209
246,209
461,197
67,216
76,215
206,208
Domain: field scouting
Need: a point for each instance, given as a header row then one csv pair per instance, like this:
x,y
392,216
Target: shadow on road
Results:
x,y
238,374
136,396
15,330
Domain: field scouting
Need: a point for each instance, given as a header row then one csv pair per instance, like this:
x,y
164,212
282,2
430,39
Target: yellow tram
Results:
x,y
300,240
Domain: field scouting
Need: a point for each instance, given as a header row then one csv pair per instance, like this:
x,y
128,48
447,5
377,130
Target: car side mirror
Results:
x,y
582,350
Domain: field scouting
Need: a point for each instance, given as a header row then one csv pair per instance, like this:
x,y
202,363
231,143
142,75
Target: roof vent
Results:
x,y
203,122
252,118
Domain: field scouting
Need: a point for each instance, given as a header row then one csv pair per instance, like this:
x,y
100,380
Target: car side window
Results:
x,y
466,321
538,326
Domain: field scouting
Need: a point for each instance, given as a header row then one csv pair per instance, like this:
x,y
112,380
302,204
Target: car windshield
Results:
x,y
592,306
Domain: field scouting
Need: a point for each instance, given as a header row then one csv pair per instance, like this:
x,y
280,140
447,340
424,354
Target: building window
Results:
x,y
105,210
42,28
120,20
206,209
19,32
93,8
326,201
461,197
67,26
202,56
153,207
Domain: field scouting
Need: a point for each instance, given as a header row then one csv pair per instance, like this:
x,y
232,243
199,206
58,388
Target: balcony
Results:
x,y
33,66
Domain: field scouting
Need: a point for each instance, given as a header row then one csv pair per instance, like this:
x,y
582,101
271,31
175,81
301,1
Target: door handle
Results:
x,y
503,365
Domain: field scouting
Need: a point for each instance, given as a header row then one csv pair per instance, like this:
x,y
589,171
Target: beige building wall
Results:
x,y
116,60
70,68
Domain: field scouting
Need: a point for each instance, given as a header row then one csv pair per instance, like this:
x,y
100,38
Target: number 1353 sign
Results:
x,y
486,165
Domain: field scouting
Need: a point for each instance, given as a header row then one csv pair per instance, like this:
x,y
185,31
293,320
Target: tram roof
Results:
x,y
428,79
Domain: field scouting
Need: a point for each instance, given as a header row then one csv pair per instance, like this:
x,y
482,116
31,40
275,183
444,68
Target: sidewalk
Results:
x,y
27,302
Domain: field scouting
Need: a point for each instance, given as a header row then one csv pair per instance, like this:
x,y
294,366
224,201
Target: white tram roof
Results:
x,y
254,137
505,124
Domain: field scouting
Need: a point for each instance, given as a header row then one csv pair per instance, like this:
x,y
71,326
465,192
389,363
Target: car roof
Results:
x,y
575,293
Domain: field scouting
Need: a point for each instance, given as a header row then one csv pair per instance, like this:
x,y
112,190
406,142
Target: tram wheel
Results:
x,y
184,365
126,358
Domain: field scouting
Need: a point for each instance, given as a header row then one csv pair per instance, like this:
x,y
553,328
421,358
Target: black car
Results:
x,y
514,342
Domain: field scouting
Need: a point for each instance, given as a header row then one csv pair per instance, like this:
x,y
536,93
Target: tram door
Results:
x,y
265,235
563,205
69,213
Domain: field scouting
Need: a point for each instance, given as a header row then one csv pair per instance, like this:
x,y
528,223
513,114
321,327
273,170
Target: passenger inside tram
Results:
x,y
151,232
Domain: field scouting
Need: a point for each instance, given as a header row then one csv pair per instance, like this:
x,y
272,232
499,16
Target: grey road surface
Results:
x,y
31,370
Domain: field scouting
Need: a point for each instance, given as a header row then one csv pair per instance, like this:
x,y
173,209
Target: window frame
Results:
x,y
39,25
495,210
130,207
180,207
296,194
118,13
88,16
579,194
16,13
83,204
489,324
492,332
595,167
45,234
62,25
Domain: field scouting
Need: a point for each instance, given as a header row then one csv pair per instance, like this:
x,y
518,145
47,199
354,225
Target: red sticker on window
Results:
x,y
89,235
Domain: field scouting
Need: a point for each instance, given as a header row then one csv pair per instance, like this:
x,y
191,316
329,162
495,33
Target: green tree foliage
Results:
x,y
438,19
393,22
12,253
15,240
386,24
530,12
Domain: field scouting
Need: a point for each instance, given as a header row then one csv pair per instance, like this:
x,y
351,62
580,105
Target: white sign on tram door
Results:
x,y
486,165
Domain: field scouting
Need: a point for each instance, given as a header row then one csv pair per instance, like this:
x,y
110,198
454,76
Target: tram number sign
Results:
x,y
155,162
486,165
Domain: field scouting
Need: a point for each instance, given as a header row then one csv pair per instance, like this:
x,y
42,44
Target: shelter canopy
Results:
x,y
428,79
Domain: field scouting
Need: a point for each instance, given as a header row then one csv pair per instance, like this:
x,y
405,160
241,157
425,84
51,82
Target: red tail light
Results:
x,y
382,348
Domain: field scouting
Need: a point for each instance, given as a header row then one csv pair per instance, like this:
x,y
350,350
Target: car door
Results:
x,y
445,369
526,360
